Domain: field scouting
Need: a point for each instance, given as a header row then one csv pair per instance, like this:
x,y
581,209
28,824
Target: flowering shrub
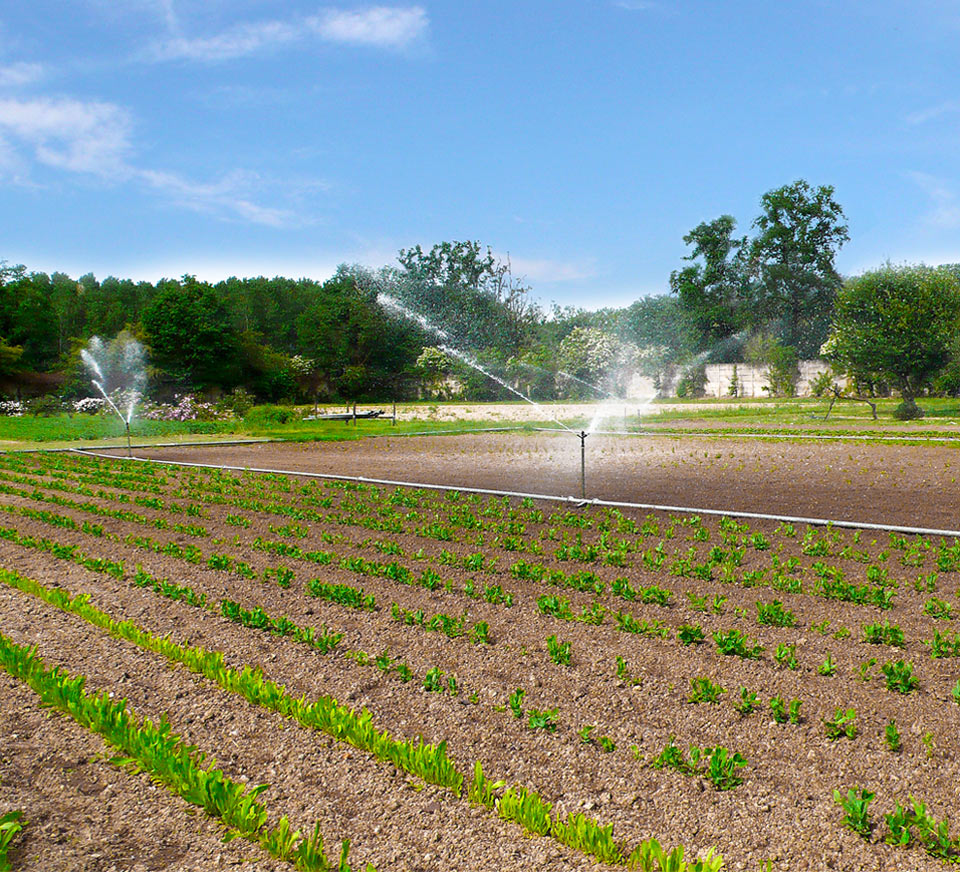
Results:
x,y
88,405
11,407
186,407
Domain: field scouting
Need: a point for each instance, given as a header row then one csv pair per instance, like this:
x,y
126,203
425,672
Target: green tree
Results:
x,y
896,324
188,330
467,292
714,293
433,366
800,230
359,348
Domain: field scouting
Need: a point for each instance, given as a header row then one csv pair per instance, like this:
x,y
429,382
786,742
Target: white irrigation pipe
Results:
x,y
760,516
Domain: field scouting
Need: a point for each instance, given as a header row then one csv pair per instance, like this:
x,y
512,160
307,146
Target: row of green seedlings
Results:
x,y
323,639
546,719
425,761
197,530
905,826
734,642
767,614
170,760
257,618
898,674
770,614
395,571
810,543
830,589
126,477
580,832
720,767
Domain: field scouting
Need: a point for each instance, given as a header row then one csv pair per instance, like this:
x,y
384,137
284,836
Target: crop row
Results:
x,y
899,674
170,760
425,761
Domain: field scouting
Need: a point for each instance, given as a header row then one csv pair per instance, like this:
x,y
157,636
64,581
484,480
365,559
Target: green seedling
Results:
x,y
955,692
515,701
584,733
690,634
864,672
704,690
856,810
891,736
899,676
733,642
747,703
883,634
786,655
543,720
938,609
559,651
841,725
774,615
722,768
828,667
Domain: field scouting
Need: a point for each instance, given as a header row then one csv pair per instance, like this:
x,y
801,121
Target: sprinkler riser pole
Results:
x,y
583,464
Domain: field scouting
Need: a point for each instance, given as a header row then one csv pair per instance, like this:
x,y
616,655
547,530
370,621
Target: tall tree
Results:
x,y
467,292
896,324
188,329
714,291
800,230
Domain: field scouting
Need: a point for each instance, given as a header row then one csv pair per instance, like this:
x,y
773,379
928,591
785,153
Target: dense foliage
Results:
x,y
435,325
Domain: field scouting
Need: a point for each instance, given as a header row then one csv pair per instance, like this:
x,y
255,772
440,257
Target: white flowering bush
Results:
x,y
12,408
89,405
185,407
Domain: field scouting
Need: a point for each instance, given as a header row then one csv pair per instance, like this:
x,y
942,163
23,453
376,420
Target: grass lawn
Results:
x,y
760,415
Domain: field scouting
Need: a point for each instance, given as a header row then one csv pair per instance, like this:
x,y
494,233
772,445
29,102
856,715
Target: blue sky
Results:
x,y
150,138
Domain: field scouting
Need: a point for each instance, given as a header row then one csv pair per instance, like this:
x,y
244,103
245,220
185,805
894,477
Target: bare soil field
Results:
x,y
865,482
596,658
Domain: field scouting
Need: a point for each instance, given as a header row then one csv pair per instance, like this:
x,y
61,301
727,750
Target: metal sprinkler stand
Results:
x,y
583,463
129,446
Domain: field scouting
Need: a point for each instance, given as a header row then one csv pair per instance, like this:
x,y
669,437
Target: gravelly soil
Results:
x,y
869,482
783,811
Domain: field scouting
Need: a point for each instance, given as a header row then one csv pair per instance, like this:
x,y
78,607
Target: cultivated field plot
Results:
x,y
867,482
454,681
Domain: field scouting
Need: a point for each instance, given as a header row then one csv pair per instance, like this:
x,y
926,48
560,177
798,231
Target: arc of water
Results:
x,y
445,345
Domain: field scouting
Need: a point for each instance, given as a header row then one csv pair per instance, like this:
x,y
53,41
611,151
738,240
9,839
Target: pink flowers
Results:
x,y
186,407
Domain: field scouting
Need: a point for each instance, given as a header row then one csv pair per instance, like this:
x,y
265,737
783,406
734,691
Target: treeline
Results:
x,y
429,325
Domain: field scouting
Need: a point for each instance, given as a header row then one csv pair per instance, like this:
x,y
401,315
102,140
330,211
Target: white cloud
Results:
x,y
945,211
377,26
94,138
19,74
86,137
381,26
237,42
921,116
228,196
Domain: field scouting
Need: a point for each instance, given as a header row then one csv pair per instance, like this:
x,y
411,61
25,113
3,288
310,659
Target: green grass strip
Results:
x,y
167,757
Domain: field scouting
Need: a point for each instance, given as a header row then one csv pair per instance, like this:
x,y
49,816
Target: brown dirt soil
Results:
x,y
784,809
867,482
